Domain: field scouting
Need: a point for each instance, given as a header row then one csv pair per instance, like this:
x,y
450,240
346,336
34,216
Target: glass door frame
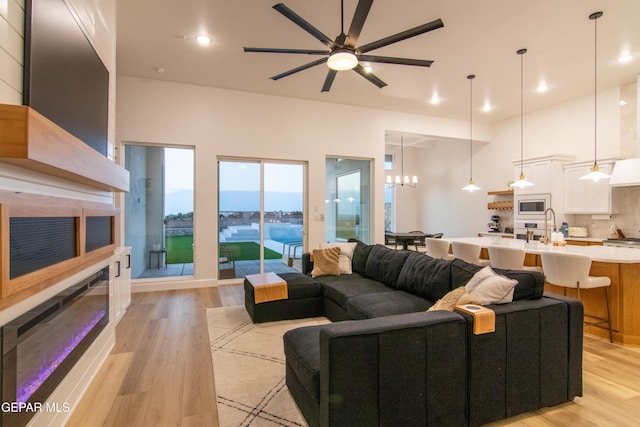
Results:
x,y
262,162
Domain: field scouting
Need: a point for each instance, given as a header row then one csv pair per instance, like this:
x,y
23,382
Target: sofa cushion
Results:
x,y
486,287
369,306
384,264
302,351
340,288
425,276
360,256
530,283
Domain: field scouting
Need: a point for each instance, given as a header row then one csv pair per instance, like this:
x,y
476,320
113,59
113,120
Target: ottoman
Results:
x,y
304,300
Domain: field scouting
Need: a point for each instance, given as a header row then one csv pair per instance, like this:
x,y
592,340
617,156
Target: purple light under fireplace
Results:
x,y
48,367
40,347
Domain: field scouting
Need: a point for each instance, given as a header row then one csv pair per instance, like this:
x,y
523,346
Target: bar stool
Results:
x,y
438,248
572,271
469,252
508,258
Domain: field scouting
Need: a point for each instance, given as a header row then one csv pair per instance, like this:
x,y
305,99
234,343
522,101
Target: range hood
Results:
x,y
626,173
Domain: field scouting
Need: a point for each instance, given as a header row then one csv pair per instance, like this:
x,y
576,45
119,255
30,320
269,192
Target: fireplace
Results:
x,y
41,346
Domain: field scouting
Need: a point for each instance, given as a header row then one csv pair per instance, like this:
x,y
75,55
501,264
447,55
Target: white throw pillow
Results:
x,y
346,255
487,287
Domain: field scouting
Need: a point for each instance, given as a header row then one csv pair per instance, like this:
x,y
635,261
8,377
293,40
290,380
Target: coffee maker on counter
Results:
x,y
494,225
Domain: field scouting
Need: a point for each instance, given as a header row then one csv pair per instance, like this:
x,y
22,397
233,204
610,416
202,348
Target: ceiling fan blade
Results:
x,y
301,68
299,21
328,81
430,26
369,76
360,15
391,60
277,50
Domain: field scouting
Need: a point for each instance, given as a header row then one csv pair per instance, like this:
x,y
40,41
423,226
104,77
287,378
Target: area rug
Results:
x,y
249,369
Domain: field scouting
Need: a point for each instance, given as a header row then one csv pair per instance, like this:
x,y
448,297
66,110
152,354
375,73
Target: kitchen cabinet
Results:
x,y
121,283
539,173
587,197
544,172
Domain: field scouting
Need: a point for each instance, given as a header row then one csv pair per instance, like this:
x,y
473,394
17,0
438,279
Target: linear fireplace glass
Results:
x,y
41,346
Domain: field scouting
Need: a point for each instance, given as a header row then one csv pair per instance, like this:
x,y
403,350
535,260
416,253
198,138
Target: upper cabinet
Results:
x,y
587,197
544,172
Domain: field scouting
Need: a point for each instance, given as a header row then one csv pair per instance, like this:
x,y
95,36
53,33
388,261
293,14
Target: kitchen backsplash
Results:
x,y
627,202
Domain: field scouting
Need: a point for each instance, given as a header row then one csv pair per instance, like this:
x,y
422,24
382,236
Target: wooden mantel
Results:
x,y
31,141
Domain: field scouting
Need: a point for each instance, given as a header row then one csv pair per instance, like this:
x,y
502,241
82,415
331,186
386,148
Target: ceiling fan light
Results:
x,y
342,60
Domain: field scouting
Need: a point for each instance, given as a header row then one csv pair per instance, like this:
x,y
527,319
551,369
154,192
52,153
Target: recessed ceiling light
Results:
x,y
158,70
368,68
487,107
542,87
625,57
203,39
623,102
435,99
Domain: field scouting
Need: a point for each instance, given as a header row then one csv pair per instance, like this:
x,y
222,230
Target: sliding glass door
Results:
x,y
260,218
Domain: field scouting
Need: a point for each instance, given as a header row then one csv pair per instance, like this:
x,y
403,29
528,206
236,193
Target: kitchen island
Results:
x,y
621,265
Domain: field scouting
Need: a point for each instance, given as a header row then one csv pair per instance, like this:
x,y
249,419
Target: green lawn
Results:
x,y
243,251
180,250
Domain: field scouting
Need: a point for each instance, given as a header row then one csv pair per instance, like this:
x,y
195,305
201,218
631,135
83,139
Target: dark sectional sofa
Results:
x,y
387,361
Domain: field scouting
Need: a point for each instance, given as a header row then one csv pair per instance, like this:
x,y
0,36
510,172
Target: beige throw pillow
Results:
x,y
325,262
487,287
346,255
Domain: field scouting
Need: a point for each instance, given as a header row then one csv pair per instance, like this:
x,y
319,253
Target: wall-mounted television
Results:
x,y
64,78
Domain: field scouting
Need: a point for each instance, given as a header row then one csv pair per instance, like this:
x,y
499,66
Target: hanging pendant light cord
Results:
x,y
402,157
470,77
521,52
595,87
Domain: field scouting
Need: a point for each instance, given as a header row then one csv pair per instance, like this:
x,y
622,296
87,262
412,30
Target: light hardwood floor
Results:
x,y
160,374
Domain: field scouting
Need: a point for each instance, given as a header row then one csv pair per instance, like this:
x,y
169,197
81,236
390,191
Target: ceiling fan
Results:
x,y
343,54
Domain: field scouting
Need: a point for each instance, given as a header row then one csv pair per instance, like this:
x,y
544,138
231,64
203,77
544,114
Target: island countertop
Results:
x,y
596,253
621,265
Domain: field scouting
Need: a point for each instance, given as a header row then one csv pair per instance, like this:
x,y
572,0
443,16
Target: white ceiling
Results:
x,y
479,37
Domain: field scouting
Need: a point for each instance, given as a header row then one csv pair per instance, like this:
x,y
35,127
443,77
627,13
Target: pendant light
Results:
x,y
402,179
522,182
471,186
595,175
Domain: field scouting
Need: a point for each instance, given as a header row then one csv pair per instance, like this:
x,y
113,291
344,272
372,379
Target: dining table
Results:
x,y
406,238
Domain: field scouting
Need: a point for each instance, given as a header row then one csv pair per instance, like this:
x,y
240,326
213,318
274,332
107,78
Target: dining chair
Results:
x,y
572,271
508,258
390,242
469,252
418,242
438,248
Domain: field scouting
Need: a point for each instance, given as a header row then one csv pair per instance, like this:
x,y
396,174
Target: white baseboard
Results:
x,y
171,285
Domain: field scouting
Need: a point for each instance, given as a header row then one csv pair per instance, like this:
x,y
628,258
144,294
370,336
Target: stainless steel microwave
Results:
x,y
532,206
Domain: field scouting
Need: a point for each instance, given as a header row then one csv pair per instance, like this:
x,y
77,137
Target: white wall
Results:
x,y
228,123
239,124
